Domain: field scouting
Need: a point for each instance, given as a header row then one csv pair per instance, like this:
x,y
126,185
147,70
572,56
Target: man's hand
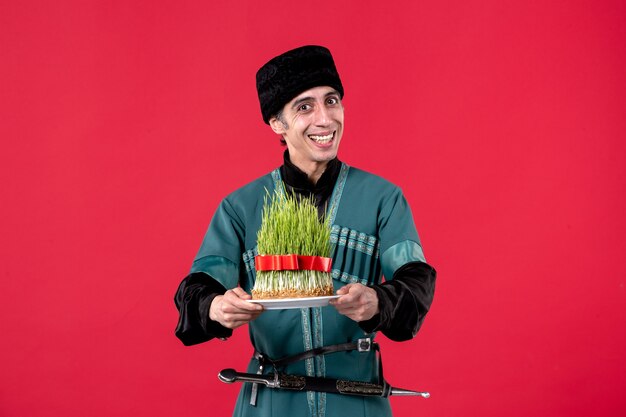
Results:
x,y
357,302
232,310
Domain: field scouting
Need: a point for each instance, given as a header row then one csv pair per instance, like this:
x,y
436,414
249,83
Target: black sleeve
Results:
x,y
193,299
403,301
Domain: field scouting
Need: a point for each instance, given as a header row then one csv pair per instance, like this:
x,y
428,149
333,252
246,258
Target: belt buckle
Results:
x,y
364,345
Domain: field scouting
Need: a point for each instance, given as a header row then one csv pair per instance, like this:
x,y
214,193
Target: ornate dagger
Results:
x,y
306,383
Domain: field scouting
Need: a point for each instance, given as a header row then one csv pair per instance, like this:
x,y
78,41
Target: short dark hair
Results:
x,y
279,116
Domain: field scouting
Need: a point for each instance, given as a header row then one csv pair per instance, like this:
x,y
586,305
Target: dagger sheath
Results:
x,y
306,383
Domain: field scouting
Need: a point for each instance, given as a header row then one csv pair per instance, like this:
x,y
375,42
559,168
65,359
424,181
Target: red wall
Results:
x,y
124,123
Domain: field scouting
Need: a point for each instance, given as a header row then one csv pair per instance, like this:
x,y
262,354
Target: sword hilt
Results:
x,y
229,376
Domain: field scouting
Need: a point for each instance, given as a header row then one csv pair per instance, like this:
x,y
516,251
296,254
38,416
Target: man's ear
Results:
x,y
277,126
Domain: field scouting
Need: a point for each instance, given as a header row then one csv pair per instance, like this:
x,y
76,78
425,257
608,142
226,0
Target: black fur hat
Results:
x,y
295,71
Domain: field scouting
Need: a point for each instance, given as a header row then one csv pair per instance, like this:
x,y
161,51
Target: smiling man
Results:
x,y
311,125
378,266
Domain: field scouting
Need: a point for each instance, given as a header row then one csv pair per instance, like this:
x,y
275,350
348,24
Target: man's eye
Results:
x,y
304,107
332,100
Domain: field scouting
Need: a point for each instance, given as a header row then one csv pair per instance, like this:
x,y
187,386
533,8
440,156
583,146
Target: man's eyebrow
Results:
x,y
300,100
307,98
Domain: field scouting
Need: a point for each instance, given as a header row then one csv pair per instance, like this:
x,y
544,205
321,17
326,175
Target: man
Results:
x,y
373,233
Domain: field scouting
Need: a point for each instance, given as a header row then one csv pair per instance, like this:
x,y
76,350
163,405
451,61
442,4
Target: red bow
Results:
x,y
292,263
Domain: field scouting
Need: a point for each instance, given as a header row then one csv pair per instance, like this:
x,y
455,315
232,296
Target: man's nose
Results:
x,y
322,116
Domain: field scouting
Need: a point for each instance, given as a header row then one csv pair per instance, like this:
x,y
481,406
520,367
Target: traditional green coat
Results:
x,y
373,235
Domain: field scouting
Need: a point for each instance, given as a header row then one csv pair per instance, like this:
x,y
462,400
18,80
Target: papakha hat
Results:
x,y
284,77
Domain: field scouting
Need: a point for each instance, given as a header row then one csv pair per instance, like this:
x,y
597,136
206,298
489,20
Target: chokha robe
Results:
x,y
373,234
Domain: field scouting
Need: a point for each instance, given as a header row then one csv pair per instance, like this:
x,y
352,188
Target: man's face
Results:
x,y
312,124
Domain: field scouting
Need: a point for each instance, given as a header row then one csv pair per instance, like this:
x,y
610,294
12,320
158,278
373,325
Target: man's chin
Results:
x,y
327,157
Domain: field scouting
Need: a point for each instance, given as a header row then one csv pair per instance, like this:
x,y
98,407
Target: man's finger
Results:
x,y
234,309
346,299
241,293
245,305
233,317
345,289
237,297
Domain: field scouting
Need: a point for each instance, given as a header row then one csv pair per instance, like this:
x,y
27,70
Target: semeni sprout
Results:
x,y
290,225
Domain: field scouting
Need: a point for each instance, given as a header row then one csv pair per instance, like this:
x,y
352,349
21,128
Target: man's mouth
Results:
x,y
322,139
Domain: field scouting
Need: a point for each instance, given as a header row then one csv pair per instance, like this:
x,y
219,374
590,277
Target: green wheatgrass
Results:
x,y
290,225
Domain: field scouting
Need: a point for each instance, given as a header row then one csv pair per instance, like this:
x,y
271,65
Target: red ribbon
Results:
x,y
292,263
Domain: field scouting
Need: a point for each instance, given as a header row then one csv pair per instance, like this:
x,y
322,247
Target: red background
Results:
x,y
124,123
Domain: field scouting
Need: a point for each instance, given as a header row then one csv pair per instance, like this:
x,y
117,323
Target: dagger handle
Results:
x,y
230,375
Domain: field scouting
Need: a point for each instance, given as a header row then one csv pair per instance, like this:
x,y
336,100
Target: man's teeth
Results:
x,y
321,139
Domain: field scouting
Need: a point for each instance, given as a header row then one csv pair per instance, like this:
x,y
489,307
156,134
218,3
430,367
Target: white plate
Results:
x,y
285,303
